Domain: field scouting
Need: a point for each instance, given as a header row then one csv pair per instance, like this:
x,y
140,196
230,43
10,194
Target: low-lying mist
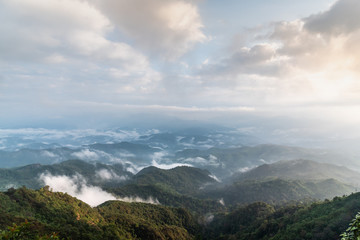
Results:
x,y
78,187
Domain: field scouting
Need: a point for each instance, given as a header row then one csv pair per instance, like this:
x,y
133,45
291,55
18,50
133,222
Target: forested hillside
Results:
x,y
58,212
47,212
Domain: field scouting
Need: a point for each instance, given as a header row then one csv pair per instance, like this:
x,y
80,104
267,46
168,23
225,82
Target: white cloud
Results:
x,y
76,186
86,154
212,161
167,28
74,137
167,166
215,178
158,161
244,169
341,18
149,200
48,154
131,167
68,39
108,175
49,26
313,60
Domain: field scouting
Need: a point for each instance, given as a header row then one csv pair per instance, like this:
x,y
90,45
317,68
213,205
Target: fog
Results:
x,y
78,187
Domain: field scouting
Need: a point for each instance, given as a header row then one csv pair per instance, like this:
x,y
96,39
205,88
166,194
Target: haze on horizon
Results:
x,y
97,63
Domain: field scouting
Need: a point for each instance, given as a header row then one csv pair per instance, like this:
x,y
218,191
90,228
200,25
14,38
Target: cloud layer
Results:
x,y
87,59
77,186
170,28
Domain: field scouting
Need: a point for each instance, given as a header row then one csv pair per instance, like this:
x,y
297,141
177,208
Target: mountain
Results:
x,y
94,173
47,212
199,138
277,191
124,149
227,161
42,212
131,154
169,197
184,180
285,181
258,221
175,187
187,186
301,170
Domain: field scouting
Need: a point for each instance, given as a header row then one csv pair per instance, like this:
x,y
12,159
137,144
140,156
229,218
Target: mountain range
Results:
x,y
190,184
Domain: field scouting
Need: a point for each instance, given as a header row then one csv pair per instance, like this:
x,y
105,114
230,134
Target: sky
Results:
x,y
94,62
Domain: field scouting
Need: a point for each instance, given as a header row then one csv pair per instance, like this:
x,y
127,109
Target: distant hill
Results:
x,y
124,152
192,187
94,173
199,138
177,187
167,186
286,181
277,191
227,161
184,180
302,170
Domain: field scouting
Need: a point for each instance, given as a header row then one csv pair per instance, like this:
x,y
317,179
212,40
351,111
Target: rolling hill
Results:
x,y
301,170
227,161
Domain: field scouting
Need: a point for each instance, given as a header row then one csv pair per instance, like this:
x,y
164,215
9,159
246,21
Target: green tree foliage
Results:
x,y
184,180
24,231
353,231
316,221
51,212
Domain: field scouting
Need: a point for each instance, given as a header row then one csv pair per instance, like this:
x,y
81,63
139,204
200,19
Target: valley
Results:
x,y
233,192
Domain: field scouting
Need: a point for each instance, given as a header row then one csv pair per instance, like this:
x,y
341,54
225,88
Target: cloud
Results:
x,y
48,154
158,161
215,178
170,28
167,166
312,61
133,168
69,41
86,154
51,26
75,138
244,169
109,175
211,160
149,200
341,18
77,186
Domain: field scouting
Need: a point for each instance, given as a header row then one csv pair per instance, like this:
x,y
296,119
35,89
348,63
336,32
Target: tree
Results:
x,y
353,231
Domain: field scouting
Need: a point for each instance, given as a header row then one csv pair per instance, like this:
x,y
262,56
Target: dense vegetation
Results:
x,y
60,215
277,191
50,212
353,231
29,175
184,180
227,161
317,221
192,204
301,169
